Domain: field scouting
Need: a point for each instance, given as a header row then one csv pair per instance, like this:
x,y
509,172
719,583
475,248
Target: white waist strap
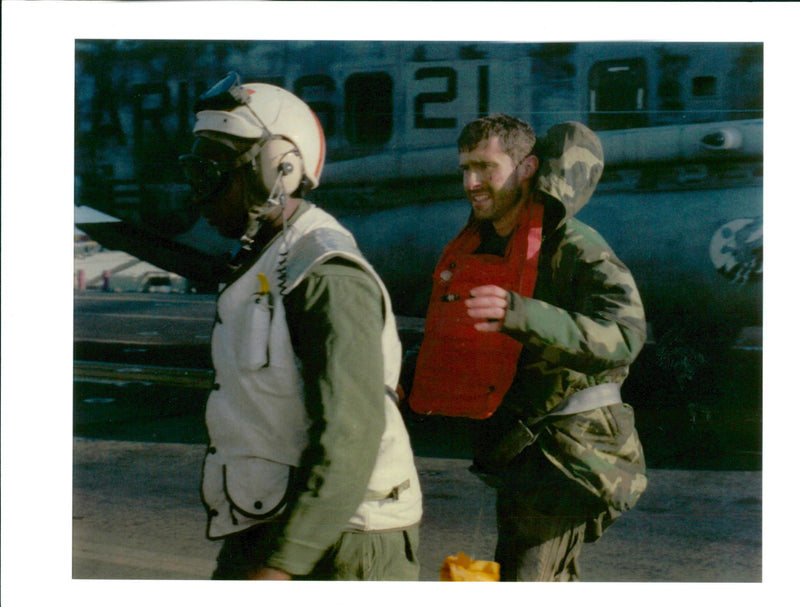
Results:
x,y
600,395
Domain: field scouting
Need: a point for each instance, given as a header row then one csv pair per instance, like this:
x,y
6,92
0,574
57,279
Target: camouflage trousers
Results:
x,y
541,521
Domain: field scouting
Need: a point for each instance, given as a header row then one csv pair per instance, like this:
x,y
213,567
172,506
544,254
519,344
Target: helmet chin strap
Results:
x,y
277,195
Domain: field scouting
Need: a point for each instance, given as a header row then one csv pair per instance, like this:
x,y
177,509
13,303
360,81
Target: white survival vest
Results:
x,y
256,418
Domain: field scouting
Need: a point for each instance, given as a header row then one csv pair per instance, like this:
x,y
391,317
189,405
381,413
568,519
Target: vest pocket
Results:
x,y
255,487
253,353
245,488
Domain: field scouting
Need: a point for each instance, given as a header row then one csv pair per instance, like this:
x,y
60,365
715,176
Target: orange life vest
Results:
x,y
461,371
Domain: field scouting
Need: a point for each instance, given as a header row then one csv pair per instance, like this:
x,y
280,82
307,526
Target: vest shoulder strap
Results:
x,y
314,248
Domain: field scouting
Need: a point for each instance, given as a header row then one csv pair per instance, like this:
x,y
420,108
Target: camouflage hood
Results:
x,y
571,164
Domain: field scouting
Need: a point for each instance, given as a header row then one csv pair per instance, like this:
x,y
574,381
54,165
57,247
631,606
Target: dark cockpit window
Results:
x,y
618,94
704,86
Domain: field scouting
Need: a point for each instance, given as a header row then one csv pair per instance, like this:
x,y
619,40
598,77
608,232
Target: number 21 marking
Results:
x,y
449,94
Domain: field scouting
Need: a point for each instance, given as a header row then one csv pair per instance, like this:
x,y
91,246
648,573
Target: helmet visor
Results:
x,y
225,95
207,178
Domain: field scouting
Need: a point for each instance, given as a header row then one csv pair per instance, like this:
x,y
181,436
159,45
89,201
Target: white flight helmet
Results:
x,y
290,141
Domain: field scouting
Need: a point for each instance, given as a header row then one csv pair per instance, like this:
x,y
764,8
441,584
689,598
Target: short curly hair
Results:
x,y
516,137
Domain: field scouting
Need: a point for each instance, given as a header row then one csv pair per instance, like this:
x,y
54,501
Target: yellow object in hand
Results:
x,y
461,568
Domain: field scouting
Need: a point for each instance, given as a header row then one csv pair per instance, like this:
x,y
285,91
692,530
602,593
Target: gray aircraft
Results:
x,y
680,200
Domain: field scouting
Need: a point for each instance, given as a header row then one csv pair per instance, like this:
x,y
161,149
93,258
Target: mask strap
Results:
x,y
251,153
277,196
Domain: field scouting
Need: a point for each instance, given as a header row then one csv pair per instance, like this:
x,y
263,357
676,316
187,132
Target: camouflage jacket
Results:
x,y
584,326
